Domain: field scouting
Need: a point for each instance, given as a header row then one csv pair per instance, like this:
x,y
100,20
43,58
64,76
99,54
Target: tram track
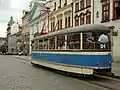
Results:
x,y
108,83
113,78
104,81
102,85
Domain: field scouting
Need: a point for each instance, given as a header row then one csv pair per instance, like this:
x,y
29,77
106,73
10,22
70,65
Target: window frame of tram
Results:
x,y
90,41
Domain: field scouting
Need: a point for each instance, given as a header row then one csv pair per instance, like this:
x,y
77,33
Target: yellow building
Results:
x,y
61,15
25,31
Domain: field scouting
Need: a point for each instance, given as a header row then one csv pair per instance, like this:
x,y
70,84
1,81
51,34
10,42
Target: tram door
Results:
x,y
111,39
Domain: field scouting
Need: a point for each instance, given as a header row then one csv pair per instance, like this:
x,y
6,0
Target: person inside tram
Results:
x,y
63,46
103,40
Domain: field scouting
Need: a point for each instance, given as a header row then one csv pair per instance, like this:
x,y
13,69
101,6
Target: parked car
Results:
x,y
22,53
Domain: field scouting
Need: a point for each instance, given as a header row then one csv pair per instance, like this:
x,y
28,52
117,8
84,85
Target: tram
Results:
x,y
74,49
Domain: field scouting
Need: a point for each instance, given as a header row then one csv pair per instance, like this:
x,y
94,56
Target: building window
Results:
x,y
65,2
82,19
69,21
81,4
76,6
116,9
76,20
51,27
97,14
58,25
55,6
65,22
105,10
61,24
88,3
59,4
88,17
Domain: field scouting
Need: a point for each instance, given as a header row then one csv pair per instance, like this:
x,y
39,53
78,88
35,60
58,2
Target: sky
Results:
x,y
10,8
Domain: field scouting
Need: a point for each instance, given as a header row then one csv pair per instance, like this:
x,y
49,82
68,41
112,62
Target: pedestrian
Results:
x,y
103,40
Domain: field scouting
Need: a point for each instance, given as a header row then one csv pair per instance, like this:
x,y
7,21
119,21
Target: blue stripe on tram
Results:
x,y
73,59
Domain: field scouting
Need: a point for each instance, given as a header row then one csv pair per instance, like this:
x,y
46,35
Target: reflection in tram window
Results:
x,y
45,44
61,42
40,44
73,41
32,45
52,43
89,40
36,45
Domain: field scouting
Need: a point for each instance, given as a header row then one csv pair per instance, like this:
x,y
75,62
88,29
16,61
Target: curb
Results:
x,y
22,58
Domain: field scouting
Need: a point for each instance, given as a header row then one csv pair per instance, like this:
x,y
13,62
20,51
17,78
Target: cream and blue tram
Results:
x,y
70,50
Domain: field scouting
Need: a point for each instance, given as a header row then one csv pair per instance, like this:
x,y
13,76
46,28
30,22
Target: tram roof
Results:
x,y
83,28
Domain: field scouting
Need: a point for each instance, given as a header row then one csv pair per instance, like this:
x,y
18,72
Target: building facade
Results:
x,y
61,15
107,12
38,20
10,23
25,32
3,45
13,38
2,41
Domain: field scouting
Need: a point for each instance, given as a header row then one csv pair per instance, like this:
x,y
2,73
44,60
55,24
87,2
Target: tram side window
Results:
x,y
45,44
40,44
33,45
61,42
52,43
36,44
73,41
90,40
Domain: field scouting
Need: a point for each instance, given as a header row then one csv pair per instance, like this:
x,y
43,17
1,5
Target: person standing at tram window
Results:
x,y
90,40
103,40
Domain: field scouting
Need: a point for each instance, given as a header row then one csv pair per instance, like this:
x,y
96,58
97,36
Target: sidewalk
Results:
x,y
28,58
115,64
116,68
